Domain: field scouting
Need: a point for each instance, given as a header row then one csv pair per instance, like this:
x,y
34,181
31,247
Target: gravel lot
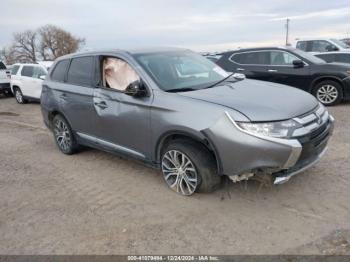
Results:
x,y
97,203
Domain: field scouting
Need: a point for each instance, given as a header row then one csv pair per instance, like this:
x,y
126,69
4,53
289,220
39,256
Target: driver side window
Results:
x,y
321,46
282,58
117,74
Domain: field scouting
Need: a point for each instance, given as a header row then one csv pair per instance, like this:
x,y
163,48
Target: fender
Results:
x,y
325,77
195,136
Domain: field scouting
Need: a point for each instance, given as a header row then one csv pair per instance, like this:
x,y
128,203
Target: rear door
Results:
x,y
76,93
27,81
254,64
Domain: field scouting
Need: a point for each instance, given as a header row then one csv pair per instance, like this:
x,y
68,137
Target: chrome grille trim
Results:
x,y
311,122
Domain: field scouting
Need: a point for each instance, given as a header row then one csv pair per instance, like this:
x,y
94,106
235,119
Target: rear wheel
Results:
x,y
328,92
189,167
63,134
19,96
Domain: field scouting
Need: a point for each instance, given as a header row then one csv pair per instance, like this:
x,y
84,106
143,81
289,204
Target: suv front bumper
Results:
x,y
240,152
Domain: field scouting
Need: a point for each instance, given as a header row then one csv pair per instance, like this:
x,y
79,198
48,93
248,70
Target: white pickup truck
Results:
x,y
5,77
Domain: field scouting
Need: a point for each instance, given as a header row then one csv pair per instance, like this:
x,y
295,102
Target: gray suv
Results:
x,y
181,113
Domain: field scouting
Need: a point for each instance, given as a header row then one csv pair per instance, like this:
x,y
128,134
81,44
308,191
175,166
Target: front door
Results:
x,y
282,71
122,121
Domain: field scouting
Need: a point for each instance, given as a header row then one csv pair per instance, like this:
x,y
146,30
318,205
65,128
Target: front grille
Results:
x,y
312,123
314,143
313,135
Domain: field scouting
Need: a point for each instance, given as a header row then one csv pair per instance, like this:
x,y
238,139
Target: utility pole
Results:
x,y
287,32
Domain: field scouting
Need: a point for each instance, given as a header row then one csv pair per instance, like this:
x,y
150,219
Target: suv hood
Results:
x,y
258,100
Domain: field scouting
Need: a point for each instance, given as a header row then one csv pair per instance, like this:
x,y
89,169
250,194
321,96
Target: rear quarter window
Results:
x,y
58,73
14,70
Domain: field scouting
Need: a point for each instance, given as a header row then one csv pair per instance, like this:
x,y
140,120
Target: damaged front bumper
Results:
x,y
241,153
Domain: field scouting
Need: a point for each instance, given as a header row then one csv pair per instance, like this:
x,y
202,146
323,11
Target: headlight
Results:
x,y
273,129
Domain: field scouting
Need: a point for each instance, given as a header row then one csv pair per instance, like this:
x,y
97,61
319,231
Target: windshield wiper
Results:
x,y
222,80
185,89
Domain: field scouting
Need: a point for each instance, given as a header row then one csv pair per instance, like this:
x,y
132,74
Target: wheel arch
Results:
x,y
320,79
55,112
201,139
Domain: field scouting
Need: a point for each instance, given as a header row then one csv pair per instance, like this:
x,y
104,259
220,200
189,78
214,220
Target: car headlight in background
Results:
x,y
280,129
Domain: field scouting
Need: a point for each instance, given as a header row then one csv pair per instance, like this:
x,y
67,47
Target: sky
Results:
x,y
202,25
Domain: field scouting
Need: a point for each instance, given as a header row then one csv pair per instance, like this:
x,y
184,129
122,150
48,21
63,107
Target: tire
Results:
x,y
19,96
328,92
200,174
64,137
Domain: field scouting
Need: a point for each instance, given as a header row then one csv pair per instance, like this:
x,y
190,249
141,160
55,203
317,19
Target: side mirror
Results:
x,y
298,63
136,89
42,77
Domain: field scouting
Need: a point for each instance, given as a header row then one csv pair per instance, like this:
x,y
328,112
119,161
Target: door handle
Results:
x,y
240,69
101,104
272,70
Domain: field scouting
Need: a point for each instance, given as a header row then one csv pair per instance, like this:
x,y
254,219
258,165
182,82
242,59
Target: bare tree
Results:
x,y
7,54
56,42
25,46
46,43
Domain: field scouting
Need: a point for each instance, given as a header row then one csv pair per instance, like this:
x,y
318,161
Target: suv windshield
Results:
x,y
181,70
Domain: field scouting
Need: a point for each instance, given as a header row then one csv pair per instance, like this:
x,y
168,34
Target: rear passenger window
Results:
x,y
60,71
27,71
252,58
80,71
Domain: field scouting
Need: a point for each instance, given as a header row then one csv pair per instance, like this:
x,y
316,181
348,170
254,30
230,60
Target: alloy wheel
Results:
x,y
62,135
179,172
19,96
327,94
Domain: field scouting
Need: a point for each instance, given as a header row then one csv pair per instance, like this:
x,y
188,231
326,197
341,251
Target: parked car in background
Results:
x,y
181,113
322,45
339,57
346,41
5,80
26,82
330,83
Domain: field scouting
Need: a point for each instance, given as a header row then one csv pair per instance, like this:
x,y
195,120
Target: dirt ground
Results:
x,y
97,203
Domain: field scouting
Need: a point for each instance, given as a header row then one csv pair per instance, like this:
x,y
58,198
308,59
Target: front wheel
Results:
x,y
189,167
328,93
63,135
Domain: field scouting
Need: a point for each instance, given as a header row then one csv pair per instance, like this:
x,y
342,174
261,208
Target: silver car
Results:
x,y
177,111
